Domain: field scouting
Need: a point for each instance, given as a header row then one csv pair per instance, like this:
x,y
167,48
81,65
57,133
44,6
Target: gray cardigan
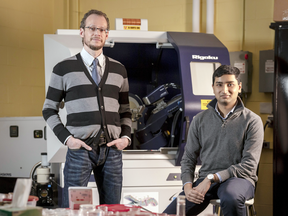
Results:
x,y
231,147
88,105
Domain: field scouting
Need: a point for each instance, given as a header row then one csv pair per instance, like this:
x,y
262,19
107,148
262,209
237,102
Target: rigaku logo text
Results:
x,y
204,57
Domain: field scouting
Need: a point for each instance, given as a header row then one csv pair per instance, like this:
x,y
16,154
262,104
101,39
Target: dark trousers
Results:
x,y
233,193
108,176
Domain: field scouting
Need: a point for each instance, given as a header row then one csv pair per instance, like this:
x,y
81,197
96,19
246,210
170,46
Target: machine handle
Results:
x,y
45,138
186,128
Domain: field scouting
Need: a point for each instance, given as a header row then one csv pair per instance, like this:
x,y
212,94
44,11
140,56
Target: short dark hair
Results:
x,y
226,69
97,12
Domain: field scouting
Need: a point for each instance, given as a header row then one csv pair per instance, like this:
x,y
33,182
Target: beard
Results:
x,y
92,47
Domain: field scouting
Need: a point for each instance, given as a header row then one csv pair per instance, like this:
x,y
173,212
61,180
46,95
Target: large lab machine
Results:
x,y
170,79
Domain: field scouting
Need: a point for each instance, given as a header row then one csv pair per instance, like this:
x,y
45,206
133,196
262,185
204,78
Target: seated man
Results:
x,y
228,138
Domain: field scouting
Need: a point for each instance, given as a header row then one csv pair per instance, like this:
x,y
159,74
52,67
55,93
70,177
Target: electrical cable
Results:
x,y
33,187
266,125
34,169
174,122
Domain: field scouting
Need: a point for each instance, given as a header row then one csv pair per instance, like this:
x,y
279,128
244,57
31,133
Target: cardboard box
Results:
x,y
280,10
28,211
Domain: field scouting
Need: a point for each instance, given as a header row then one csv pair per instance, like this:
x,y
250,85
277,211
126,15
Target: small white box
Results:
x,y
79,196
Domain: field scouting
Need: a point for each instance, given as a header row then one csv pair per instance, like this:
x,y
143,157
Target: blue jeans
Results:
x,y
108,176
233,193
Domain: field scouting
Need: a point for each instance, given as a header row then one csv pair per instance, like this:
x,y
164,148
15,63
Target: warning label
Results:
x,y
240,66
269,66
131,27
204,104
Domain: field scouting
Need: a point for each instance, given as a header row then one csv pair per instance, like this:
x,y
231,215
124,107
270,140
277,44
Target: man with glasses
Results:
x,y
95,90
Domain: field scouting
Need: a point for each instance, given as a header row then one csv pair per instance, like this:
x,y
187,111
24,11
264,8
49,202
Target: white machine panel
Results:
x,y
65,47
20,153
146,179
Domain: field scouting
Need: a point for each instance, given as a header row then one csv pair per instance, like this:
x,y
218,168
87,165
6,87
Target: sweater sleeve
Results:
x,y
124,110
50,111
191,153
251,153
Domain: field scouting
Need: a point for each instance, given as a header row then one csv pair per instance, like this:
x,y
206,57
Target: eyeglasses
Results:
x,y
94,29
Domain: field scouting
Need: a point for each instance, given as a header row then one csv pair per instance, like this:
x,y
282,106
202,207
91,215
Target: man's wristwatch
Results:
x,y
210,177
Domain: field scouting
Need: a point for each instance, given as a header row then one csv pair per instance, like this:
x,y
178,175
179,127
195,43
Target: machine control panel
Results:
x,y
45,194
38,134
174,177
14,131
177,176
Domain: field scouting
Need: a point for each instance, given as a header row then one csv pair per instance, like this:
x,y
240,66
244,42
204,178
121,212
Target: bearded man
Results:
x,y
95,90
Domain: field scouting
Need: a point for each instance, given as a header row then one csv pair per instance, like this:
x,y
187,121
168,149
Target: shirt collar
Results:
x,y
231,111
88,59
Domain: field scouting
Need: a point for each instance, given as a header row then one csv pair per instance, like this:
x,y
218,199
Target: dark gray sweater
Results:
x,y
231,147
